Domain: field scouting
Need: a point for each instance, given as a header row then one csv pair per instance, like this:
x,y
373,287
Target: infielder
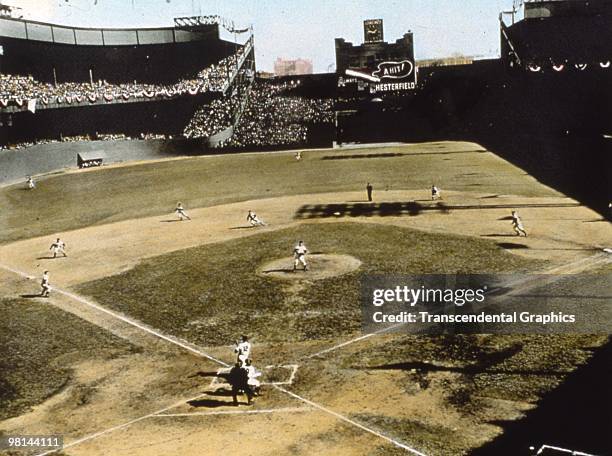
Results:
x,y
58,246
435,193
30,183
181,212
44,285
299,253
517,224
254,220
243,349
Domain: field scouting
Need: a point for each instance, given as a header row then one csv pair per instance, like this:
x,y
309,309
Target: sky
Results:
x,y
302,28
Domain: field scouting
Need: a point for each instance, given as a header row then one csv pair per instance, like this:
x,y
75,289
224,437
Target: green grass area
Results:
x,y
211,294
69,201
39,344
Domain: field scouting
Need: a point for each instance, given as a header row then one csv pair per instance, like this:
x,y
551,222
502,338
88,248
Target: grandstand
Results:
x,y
189,83
59,81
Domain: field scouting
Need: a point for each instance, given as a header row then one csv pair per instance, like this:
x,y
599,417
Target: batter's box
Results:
x,y
270,375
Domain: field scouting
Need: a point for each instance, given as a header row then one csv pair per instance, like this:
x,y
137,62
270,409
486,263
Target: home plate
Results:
x,y
271,375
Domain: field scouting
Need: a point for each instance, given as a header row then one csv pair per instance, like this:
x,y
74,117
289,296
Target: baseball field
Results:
x,y
123,357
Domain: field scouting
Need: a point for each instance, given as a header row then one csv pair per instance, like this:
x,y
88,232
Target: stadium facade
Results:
x,y
545,103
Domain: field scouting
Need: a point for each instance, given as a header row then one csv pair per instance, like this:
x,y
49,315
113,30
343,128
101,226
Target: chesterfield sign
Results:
x,y
394,70
389,76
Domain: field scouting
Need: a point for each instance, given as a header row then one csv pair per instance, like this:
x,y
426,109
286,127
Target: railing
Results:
x,y
248,47
506,37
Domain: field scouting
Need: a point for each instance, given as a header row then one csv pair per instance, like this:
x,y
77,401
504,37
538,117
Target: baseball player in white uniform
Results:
x,y
517,224
30,183
435,193
180,211
243,349
58,246
44,285
253,374
298,156
254,220
299,253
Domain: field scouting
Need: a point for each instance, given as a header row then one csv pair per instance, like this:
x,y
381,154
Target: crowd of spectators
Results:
x,y
221,113
20,89
274,117
271,117
97,137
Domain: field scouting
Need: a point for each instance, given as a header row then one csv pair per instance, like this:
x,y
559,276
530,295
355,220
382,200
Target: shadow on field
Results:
x,y
574,415
242,227
208,403
411,208
424,368
203,374
286,270
221,392
31,296
512,246
358,156
169,221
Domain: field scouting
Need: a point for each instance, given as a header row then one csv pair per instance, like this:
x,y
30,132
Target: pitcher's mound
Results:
x,y
319,267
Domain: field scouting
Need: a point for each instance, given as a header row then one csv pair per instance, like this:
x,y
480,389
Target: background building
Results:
x,y
284,67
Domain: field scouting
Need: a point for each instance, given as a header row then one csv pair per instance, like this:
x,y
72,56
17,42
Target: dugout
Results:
x,y
90,159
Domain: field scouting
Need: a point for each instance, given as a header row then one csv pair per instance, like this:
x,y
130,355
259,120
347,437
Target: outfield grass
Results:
x,y
38,344
68,201
211,294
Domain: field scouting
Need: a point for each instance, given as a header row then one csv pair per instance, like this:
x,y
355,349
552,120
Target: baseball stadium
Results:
x,y
171,214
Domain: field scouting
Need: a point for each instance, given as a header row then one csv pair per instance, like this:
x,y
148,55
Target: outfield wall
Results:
x,y
52,157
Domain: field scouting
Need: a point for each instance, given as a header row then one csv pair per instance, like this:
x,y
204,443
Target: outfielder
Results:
x,y
30,183
517,224
243,349
181,212
299,253
254,220
44,285
58,246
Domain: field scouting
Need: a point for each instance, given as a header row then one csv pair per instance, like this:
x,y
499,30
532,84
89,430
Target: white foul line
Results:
x,y
129,321
348,420
200,353
526,282
237,412
564,450
119,426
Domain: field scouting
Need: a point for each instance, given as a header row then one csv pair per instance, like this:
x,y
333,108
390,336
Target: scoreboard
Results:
x,y
376,66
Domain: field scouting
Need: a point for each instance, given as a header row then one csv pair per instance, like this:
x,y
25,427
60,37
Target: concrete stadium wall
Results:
x,y
51,157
